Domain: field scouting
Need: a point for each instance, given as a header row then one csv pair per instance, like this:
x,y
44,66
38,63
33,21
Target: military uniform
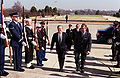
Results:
x,y
2,56
16,43
30,36
43,38
117,42
39,52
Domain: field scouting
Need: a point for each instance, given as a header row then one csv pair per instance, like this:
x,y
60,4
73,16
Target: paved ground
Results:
x,y
97,63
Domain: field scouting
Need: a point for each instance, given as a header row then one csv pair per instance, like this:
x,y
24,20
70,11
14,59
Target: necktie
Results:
x,y
59,39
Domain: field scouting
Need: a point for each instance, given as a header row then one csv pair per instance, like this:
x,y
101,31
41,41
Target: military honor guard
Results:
x,y
31,43
60,39
82,45
39,53
115,26
117,39
16,41
2,54
69,37
43,39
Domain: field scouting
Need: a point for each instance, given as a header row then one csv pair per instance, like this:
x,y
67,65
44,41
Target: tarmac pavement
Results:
x,y
97,63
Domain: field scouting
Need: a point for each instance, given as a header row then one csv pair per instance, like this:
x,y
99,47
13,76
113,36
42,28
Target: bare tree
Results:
x,y
17,7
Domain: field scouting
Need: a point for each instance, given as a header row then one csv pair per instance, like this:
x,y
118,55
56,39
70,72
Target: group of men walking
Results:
x,y
79,37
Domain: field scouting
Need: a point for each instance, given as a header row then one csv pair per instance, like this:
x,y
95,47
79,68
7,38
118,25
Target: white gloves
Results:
x,y
24,44
43,48
114,37
34,43
117,43
2,36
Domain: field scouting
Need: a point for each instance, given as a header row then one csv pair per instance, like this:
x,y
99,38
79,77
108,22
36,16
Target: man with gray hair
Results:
x,y
59,38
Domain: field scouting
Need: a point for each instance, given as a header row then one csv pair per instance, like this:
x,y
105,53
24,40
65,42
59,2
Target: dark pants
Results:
x,y
118,55
17,57
61,58
39,56
29,55
69,44
2,49
113,51
77,58
44,52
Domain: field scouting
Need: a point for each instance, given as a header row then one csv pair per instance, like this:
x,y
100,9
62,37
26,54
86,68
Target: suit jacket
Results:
x,y
82,42
16,32
69,33
59,47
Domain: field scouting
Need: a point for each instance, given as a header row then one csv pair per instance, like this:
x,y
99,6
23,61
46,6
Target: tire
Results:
x,y
109,40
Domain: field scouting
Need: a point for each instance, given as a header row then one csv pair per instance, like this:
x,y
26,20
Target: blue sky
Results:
x,y
68,4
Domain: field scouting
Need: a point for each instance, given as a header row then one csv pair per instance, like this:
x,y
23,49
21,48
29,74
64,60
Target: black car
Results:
x,y
105,35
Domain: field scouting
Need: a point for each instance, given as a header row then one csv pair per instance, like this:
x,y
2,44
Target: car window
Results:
x,y
109,29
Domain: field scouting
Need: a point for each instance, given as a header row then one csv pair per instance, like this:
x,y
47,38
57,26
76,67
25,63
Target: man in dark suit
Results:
x,y
82,45
16,41
2,54
60,39
69,37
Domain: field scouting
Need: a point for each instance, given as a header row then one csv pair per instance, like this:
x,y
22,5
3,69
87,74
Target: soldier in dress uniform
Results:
x,y
2,54
43,38
69,37
115,26
31,43
16,41
117,39
39,53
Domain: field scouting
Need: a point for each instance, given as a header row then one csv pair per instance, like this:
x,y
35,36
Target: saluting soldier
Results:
x,y
16,41
69,37
2,54
31,43
43,38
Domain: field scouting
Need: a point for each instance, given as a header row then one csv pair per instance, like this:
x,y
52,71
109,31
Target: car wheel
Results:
x,y
109,40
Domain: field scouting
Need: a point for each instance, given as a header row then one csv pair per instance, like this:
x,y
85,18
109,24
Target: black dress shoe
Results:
x,y
112,60
117,72
44,59
20,70
61,70
82,71
31,67
4,74
117,66
39,65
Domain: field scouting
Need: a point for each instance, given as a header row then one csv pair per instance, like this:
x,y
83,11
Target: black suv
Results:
x,y
105,35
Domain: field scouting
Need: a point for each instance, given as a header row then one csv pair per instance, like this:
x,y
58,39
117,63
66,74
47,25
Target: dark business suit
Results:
x,y
60,47
69,38
82,44
16,43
